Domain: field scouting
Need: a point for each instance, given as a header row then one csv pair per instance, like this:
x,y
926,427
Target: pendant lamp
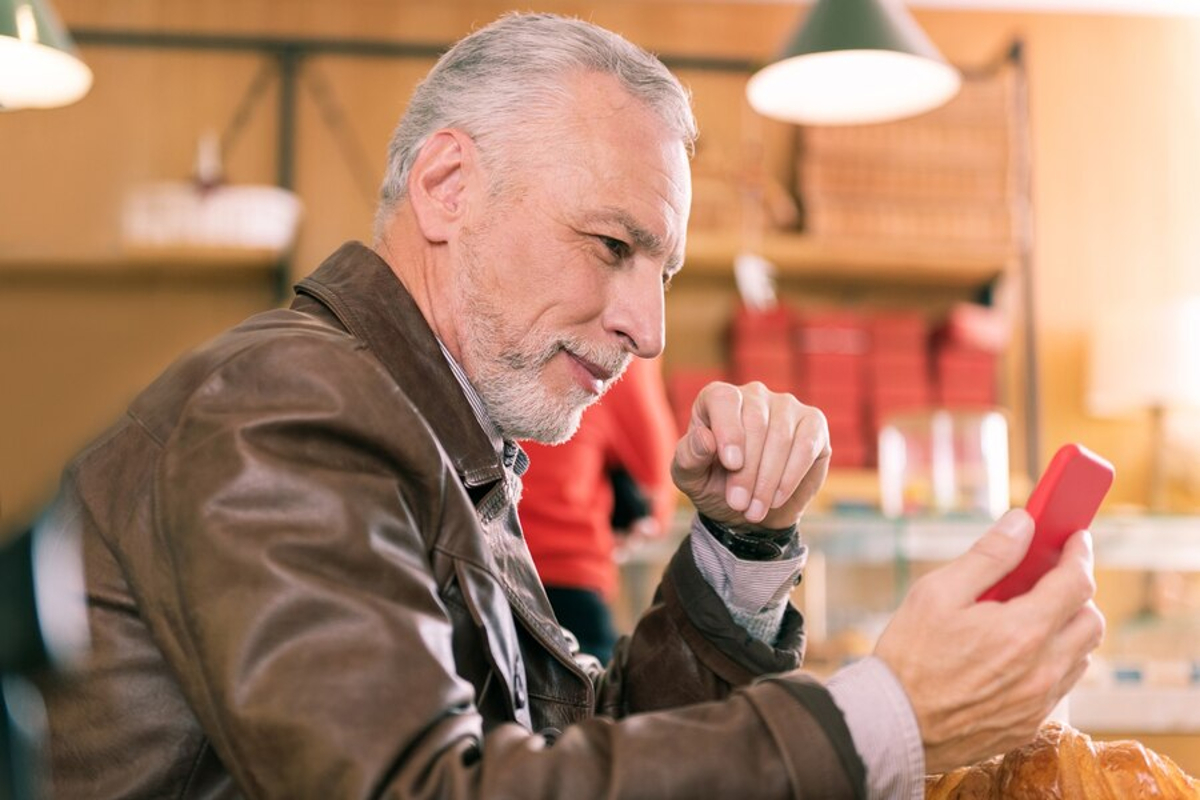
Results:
x,y
39,67
854,62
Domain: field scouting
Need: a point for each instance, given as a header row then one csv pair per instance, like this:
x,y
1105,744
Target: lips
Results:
x,y
597,371
592,376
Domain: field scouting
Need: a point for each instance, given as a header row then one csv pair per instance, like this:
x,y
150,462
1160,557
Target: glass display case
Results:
x,y
1144,681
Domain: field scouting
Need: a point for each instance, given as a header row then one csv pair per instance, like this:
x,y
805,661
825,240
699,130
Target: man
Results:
x,y
304,571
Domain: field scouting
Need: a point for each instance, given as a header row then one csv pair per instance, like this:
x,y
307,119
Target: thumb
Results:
x,y
993,556
694,455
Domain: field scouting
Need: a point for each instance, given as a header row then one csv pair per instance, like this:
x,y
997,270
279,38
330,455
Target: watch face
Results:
x,y
764,544
755,549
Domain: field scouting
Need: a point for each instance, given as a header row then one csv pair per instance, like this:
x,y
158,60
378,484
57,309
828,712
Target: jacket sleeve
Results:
x,y
293,596
688,649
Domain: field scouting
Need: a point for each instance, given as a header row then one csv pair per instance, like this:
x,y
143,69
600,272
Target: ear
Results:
x,y
439,183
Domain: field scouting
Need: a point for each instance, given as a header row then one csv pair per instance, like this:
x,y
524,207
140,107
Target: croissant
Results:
x,y
1064,764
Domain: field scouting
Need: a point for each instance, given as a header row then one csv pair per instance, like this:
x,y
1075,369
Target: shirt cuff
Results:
x,y
754,591
884,729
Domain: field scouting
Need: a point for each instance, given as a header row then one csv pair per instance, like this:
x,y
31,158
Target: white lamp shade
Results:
x,y
854,62
1146,358
849,87
36,76
38,65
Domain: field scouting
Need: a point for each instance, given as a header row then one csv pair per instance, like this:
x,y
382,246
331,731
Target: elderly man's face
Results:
x,y
562,274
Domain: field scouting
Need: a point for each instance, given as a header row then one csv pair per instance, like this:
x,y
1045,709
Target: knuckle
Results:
x,y
1033,635
1038,685
823,435
1083,583
1099,624
787,401
925,591
1026,644
717,389
756,417
813,423
1046,682
756,411
987,548
1089,584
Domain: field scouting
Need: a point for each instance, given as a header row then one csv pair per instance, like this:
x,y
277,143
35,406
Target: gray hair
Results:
x,y
504,78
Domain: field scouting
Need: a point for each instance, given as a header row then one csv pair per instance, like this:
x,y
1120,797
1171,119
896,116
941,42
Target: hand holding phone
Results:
x,y
1065,500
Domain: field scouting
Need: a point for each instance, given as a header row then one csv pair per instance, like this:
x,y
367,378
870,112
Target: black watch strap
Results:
x,y
759,544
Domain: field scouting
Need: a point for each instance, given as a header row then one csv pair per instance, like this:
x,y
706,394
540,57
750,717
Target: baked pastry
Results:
x,y
1064,764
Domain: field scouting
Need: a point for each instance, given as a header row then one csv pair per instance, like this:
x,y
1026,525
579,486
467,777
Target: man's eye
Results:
x,y
615,246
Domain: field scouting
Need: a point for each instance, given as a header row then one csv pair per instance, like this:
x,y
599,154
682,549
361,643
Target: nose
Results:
x,y
635,311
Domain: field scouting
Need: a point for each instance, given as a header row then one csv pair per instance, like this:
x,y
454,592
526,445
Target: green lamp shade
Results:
x,y
38,64
854,62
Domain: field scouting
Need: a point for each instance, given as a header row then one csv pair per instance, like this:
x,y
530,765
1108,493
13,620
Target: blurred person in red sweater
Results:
x,y
611,479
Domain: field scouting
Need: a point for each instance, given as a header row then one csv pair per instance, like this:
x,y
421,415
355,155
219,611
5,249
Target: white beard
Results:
x,y
506,365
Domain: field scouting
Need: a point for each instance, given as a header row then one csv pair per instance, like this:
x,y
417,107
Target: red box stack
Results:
x,y
760,348
898,376
830,350
966,349
966,376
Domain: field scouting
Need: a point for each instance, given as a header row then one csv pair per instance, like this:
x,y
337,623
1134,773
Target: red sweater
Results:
x,y
567,499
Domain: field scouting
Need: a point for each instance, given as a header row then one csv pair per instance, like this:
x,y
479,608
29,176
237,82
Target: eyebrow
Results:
x,y
644,240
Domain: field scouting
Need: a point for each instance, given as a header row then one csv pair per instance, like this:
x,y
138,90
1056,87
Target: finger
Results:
x,y
718,407
781,441
993,556
1077,671
1062,687
799,461
694,455
756,426
804,465
1060,593
1081,635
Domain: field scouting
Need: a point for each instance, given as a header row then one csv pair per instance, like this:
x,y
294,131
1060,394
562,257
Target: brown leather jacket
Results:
x,y
306,579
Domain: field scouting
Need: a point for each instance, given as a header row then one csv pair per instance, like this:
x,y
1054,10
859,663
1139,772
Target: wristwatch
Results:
x,y
756,544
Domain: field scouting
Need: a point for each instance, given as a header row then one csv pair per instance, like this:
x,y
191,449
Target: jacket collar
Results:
x,y
361,290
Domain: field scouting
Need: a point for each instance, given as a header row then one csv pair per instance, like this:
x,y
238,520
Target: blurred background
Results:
x,y
961,290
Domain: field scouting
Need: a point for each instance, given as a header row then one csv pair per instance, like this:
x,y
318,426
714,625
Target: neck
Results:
x,y
424,269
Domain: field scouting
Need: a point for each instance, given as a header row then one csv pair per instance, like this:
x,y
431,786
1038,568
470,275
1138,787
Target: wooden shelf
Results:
x,y
853,486
896,263
139,265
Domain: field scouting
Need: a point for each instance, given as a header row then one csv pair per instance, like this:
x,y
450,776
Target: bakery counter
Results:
x,y
1145,680
1065,763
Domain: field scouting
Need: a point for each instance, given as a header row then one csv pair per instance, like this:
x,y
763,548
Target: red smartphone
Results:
x,y
1065,500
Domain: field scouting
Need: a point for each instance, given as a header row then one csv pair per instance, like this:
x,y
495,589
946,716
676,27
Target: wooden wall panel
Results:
x,y
339,166
76,348
141,122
